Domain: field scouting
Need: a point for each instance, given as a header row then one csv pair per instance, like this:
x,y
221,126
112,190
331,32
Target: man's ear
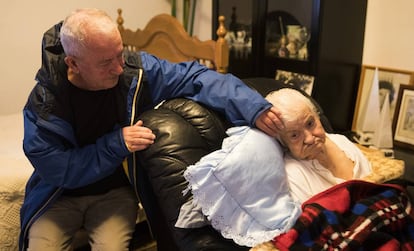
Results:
x,y
71,63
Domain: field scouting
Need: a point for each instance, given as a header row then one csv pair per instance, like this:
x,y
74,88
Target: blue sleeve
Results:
x,y
222,92
60,162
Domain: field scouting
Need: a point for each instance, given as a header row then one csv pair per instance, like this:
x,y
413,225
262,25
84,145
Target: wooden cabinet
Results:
x,y
329,44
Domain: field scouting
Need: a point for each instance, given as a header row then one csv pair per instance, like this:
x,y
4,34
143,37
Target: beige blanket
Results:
x,y
15,170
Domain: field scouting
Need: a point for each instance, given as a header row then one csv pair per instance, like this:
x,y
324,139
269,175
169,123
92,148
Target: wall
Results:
x,y
388,38
23,22
389,34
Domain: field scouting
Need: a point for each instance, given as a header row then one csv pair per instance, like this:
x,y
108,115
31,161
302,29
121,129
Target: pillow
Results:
x,y
243,189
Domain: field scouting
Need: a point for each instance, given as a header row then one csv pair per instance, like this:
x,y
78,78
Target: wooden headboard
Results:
x,y
165,37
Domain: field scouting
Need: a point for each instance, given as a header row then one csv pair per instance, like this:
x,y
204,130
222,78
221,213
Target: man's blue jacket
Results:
x,y
49,141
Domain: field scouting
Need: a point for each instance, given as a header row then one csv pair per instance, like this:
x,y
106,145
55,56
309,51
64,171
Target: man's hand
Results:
x,y
137,137
269,122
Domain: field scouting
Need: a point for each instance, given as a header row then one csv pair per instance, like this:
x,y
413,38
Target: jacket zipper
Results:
x,y
131,123
134,165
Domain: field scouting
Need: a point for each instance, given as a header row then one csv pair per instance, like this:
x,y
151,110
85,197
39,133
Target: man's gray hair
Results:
x,y
77,27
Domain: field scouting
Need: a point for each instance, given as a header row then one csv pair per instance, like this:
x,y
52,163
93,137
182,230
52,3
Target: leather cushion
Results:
x,y
185,132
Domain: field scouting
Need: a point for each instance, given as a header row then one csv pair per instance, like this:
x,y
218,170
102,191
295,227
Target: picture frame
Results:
x,y
299,80
403,123
389,79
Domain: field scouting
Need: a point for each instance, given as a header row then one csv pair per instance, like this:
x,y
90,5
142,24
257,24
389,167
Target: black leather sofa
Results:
x,y
185,132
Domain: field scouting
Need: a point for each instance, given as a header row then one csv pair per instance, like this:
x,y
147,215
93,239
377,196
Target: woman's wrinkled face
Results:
x,y
304,136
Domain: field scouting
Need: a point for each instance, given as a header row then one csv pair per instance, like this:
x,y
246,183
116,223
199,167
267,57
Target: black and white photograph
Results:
x,y
304,82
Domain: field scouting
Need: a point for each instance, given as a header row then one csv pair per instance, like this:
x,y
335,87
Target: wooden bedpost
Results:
x,y
222,48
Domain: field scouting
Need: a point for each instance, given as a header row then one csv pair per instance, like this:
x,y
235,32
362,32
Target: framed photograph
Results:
x,y
389,81
302,81
403,123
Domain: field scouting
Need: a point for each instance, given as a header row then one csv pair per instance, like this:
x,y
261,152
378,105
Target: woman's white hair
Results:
x,y
290,103
78,26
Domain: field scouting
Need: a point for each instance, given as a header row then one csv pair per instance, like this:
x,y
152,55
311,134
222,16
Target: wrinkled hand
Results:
x,y
269,122
137,137
316,150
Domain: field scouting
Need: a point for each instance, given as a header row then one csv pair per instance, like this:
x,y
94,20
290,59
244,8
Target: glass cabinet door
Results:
x,y
265,35
288,29
239,37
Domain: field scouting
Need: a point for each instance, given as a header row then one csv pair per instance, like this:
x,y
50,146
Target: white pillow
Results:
x,y
243,189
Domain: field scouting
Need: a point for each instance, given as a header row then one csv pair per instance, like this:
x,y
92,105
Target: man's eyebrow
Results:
x,y
104,60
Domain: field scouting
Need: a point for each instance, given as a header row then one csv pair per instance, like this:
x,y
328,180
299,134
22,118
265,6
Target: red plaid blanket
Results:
x,y
355,215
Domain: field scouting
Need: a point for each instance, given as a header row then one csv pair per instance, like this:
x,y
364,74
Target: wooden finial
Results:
x,y
120,19
222,48
221,31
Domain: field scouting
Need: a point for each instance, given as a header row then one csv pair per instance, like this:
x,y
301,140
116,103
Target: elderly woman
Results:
x,y
315,160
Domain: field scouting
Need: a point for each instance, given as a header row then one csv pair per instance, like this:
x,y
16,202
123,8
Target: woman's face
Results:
x,y
304,136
